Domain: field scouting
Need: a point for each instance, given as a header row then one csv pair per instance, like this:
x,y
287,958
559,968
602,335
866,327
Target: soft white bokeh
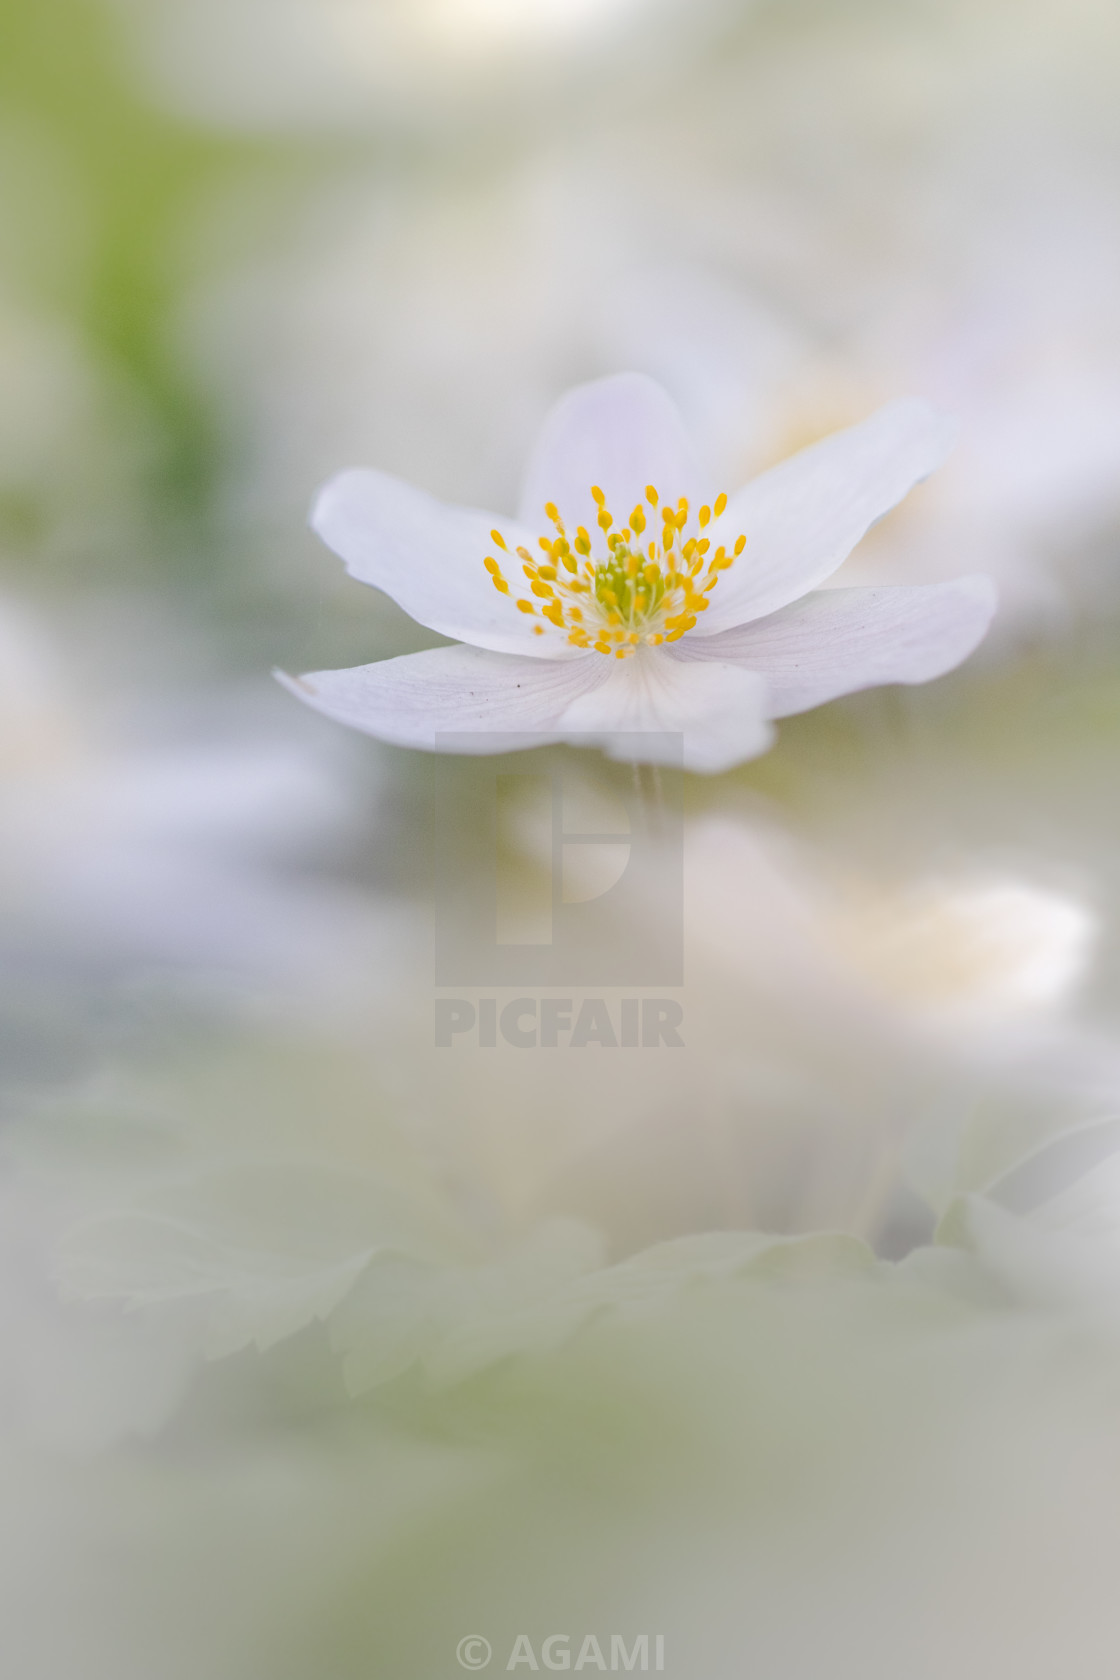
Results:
x,y
788,237
126,845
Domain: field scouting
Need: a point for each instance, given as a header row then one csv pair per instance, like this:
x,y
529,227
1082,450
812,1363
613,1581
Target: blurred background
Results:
x,y
244,244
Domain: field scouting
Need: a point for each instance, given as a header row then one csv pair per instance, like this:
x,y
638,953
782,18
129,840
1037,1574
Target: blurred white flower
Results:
x,y
120,851
836,237
679,657
359,63
966,957
942,1010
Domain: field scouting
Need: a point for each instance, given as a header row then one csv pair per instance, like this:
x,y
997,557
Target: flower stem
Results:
x,y
648,787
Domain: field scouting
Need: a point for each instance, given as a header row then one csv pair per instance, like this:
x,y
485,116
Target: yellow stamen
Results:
x,y
635,593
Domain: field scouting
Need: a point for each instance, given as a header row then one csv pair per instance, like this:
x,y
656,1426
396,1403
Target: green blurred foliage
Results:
x,y
103,193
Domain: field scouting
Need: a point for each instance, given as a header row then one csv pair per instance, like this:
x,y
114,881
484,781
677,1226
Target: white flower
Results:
x,y
650,605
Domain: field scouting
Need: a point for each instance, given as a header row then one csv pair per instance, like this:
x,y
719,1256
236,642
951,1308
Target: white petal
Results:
x,y
719,708
429,558
620,433
803,518
450,690
838,640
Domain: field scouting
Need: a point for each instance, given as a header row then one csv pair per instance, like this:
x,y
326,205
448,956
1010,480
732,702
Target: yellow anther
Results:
x,y
499,539
631,601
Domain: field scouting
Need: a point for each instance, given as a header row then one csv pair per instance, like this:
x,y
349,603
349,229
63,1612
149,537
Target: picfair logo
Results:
x,y
555,874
